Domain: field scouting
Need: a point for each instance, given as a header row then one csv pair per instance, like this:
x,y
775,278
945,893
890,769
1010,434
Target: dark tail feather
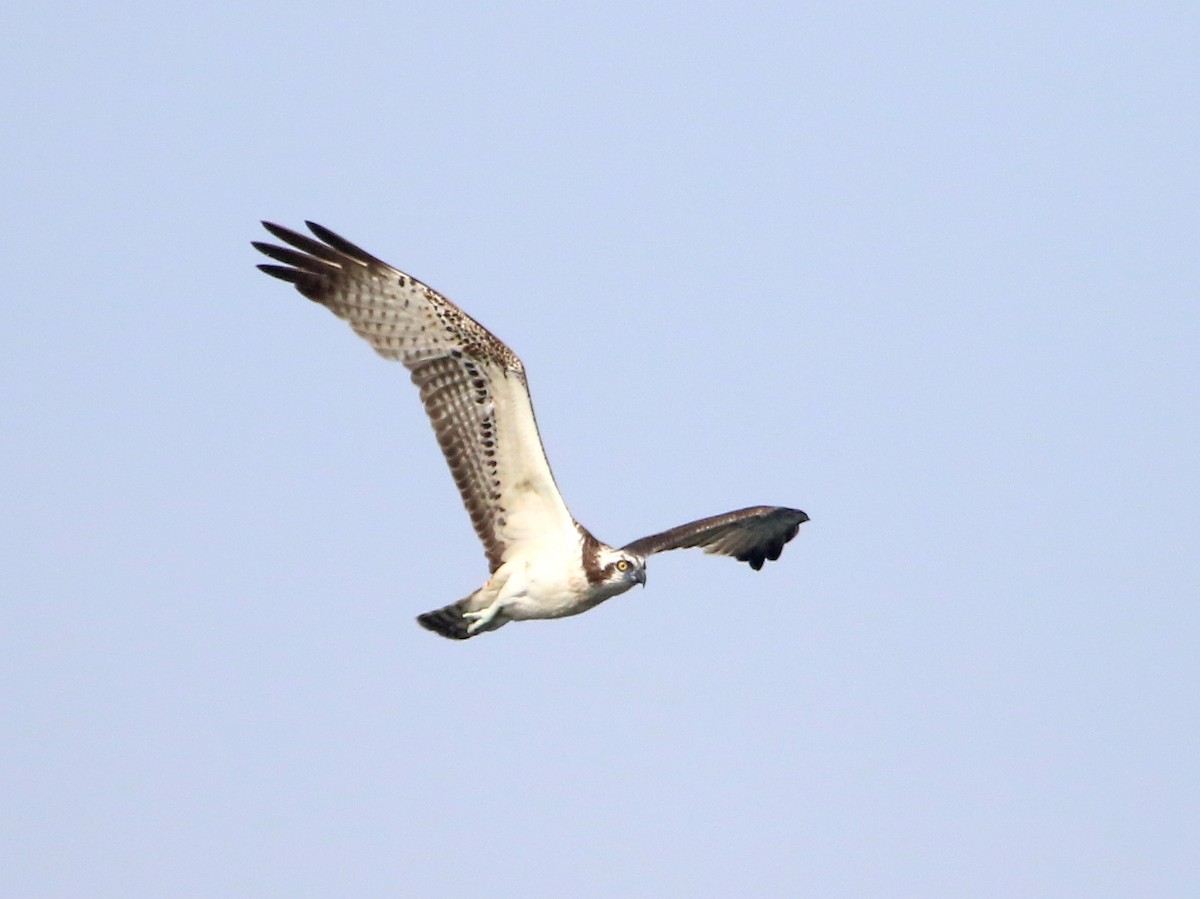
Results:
x,y
447,621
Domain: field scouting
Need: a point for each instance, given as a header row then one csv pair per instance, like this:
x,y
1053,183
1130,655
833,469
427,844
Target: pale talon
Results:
x,y
480,619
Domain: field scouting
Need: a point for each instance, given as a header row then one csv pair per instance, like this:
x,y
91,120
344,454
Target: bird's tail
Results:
x,y
448,621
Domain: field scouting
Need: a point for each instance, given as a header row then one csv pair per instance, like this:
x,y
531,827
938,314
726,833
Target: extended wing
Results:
x,y
472,385
749,535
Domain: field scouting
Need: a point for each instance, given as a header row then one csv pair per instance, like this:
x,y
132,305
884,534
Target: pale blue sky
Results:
x,y
927,271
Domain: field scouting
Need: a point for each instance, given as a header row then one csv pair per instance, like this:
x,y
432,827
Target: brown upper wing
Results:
x,y
749,535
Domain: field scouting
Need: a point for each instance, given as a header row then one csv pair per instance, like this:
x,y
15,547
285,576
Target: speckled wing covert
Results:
x,y
472,385
751,535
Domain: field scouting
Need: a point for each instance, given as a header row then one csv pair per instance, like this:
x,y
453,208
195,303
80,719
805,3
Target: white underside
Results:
x,y
544,580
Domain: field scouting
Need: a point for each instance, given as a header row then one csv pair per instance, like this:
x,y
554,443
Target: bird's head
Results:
x,y
622,569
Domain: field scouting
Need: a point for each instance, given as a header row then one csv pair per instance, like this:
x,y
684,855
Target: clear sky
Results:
x,y
928,271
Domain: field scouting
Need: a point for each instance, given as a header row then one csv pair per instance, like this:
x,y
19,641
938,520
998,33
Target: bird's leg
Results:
x,y
482,618
499,588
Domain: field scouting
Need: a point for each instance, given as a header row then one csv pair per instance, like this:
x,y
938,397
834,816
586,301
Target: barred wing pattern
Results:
x,y
473,386
751,535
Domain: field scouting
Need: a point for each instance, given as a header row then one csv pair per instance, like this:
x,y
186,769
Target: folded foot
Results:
x,y
481,619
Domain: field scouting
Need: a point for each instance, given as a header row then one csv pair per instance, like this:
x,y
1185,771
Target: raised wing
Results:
x,y
472,385
749,535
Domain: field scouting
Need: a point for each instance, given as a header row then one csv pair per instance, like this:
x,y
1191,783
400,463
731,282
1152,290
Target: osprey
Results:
x,y
543,563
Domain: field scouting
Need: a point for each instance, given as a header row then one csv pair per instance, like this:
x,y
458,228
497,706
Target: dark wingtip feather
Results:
x,y
284,234
757,556
340,243
283,273
301,242
269,249
290,257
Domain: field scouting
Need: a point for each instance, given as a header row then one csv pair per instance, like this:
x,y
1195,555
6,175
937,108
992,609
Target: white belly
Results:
x,y
539,588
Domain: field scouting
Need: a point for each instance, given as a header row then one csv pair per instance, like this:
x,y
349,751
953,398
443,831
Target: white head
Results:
x,y
610,570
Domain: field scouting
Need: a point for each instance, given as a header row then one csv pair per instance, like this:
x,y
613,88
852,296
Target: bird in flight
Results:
x,y
542,562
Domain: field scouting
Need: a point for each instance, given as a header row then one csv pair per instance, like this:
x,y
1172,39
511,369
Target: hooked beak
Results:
x,y
639,575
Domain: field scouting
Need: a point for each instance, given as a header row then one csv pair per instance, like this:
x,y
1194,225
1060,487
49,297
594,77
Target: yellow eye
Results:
x,y
622,565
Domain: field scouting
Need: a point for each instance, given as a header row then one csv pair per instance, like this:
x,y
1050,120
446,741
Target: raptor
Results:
x,y
542,562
